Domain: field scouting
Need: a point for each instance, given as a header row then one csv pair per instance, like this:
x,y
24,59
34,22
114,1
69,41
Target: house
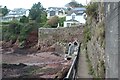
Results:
x,y
76,16
0,11
56,11
17,13
0,14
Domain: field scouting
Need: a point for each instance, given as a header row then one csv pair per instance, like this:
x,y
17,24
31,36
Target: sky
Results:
x,y
27,4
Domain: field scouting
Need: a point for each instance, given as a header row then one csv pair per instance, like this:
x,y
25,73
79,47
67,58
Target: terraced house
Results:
x,y
75,16
17,13
56,11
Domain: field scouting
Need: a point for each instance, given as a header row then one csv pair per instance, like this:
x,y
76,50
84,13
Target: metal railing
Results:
x,y
73,69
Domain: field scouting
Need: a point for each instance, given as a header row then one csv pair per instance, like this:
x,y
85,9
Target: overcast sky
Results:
x,y
27,4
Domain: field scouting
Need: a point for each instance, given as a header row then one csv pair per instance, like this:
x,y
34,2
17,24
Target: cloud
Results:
x,y
11,4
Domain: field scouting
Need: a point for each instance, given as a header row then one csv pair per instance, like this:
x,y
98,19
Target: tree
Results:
x,y
36,12
53,22
24,19
92,9
4,11
44,17
11,31
74,4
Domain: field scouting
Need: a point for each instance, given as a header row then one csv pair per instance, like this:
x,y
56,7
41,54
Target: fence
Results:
x,y
73,69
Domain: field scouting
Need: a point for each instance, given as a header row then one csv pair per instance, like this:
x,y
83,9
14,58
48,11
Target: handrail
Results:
x,y
73,69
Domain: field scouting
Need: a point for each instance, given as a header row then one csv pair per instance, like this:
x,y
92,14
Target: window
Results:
x,y
68,24
60,12
73,17
52,13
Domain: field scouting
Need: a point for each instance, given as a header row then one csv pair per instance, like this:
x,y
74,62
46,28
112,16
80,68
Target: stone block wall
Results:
x,y
112,30
49,36
96,52
96,44
109,53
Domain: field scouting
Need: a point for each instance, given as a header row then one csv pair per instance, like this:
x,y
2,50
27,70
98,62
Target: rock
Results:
x,y
55,53
6,44
50,49
61,74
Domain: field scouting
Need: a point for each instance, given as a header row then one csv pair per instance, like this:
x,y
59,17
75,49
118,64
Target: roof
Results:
x,y
57,8
81,9
77,11
17,11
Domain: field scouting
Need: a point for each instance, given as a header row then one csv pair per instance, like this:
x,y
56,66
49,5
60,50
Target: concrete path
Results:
x,y
83,67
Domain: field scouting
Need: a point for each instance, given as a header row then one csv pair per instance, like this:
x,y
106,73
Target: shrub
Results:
x,y
21,45
24,19
5,23
11,31
61,21
87,34
92,9
18,31
13,38
6,36
15,27
26,30
53,22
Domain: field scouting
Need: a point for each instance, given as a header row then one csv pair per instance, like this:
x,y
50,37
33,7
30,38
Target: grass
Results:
x,y
91,70
99,34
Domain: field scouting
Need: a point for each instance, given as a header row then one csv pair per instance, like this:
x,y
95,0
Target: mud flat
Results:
x,y
37,65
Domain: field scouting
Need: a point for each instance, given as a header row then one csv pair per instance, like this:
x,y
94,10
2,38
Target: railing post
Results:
x,y
78,54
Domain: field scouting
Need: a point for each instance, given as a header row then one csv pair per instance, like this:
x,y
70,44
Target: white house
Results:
x,y
17,13
56,11
75,16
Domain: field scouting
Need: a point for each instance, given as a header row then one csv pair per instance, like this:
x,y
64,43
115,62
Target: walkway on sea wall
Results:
x,y
83,67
